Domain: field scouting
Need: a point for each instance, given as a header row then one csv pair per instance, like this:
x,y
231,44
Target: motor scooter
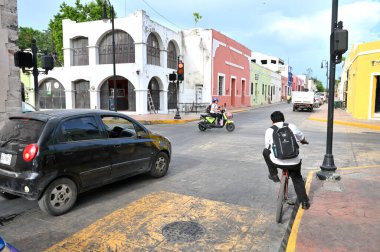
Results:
x,y
208,121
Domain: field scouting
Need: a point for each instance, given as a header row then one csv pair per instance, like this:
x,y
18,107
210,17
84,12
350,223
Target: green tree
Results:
x,y
197,17
79,13
319,85
43,38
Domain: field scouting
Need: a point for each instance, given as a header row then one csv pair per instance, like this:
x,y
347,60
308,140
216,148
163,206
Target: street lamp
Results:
x,y
105,18
327,71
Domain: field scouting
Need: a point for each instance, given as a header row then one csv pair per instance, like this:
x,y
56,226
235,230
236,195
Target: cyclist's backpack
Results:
x,y
208,109
284,143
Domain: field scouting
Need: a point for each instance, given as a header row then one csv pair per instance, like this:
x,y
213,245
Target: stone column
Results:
x,y
10,85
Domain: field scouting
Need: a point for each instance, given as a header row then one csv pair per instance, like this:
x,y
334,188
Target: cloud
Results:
x,y
359,18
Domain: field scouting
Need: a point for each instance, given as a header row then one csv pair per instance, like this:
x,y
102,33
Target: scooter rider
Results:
x,y
214,110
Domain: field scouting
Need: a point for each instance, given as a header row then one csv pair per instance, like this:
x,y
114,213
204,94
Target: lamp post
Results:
x,y
105,18
326,65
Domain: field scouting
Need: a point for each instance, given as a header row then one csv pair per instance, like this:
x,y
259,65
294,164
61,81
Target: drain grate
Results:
x,y
183,231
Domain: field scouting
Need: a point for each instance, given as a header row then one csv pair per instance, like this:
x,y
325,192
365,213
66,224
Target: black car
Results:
x,y
51,156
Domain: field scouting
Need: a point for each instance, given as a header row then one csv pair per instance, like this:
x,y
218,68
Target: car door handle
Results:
x,y
67,153
117,146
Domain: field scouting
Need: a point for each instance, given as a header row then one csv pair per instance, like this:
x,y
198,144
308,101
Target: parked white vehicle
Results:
x,y
302,100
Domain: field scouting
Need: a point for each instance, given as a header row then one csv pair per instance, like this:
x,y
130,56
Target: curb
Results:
x,y
353,124
182,121
292,241
174,121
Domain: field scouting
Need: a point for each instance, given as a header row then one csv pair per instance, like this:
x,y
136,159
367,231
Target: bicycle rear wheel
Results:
x,y
281,200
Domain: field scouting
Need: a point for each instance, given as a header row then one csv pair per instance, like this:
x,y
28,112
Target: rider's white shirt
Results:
x,y
269,142
214,108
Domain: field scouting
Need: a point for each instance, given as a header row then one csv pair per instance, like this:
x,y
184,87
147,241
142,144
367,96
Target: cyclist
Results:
x,y
293,165
214,110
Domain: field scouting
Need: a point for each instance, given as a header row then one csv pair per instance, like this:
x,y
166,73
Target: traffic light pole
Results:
x,y
35,75
177,115
328,167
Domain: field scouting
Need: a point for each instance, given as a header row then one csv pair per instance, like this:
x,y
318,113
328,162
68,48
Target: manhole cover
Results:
x,y
183,231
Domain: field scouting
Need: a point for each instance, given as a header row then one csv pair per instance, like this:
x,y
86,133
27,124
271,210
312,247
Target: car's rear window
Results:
x,y
28,130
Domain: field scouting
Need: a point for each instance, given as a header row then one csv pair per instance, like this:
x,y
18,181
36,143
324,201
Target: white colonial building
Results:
x,y
146,53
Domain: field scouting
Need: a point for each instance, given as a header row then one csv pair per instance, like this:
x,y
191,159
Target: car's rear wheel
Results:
x,y
8,196
160,165
59,197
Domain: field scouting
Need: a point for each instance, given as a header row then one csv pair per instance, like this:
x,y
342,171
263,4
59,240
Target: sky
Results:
x,y
296,31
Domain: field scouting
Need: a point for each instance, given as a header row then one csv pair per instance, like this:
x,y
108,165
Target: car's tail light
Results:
x,y
30,152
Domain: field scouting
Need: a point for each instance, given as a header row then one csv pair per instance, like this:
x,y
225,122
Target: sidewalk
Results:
x,y
344,215
343,117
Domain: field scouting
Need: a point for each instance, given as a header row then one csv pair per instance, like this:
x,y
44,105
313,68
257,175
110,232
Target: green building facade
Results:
x,y
260,84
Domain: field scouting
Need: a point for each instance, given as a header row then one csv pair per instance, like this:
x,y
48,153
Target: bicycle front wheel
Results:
x,y
281,200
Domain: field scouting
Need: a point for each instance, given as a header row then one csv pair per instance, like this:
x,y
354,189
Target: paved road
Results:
x,y
217,179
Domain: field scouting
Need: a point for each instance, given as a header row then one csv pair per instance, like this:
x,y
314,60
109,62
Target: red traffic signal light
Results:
x,y
180,71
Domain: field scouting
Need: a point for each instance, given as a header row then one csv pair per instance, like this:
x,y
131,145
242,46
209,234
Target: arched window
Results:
x,y
80,51
172,56
52,95
82,94
153,50
124,48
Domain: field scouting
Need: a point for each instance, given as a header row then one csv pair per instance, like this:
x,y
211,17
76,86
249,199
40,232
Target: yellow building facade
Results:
x,y
363,81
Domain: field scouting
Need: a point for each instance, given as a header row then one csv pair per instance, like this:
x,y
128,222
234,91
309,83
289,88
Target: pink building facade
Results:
x,y
298,84
284,88
230,71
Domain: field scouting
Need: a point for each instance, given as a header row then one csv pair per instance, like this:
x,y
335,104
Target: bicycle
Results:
x,y
282,197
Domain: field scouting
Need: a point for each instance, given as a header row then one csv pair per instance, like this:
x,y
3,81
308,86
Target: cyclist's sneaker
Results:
x,y
305,205
274,178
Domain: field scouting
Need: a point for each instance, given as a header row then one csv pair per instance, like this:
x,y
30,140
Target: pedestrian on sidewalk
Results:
x,y
285,156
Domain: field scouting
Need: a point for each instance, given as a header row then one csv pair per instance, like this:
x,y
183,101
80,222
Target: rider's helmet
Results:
x,y
215,99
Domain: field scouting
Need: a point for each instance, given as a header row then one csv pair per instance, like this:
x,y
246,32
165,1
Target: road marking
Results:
x,y
360,167
139,226
361,125
291,246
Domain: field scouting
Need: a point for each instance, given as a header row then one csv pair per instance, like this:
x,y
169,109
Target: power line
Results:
x,y
161,15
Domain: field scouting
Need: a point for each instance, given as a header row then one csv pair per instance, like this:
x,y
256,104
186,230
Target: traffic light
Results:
x,y
172,77
180,71
23,59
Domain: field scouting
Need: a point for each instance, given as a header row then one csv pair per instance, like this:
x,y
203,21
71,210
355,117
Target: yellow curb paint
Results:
x,y
138,226
291,246
179,121
361,125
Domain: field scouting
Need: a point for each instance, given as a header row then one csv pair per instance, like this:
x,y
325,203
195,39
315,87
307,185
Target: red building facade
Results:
x,y
230,71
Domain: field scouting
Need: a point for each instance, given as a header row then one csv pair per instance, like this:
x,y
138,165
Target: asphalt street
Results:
x,y
215,165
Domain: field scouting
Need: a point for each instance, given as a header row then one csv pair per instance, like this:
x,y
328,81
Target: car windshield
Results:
x,y
24,130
